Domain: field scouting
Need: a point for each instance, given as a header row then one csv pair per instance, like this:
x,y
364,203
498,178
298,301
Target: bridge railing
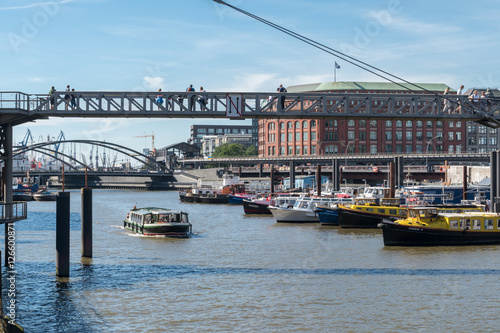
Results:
x,y
14,100
13,212
311,105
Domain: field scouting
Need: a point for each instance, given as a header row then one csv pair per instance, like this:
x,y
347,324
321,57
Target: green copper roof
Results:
x,y
363,86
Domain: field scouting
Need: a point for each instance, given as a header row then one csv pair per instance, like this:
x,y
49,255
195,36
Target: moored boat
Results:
x,y
44,195
154,221
303,209
426,226
261,205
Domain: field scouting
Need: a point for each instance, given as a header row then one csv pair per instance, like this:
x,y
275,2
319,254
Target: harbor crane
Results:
x,y
152,136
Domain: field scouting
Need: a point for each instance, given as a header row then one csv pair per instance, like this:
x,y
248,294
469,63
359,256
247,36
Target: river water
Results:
x,y
244,274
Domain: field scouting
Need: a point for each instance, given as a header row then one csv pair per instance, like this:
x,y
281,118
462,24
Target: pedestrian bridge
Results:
x,y
18,107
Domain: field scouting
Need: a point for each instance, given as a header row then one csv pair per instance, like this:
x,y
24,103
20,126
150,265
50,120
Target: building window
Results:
x,y
408,149
399,149
304,136
373,149
439,124
399,135
282,125
450,149
282,150
362,123
419,124
451,124
459,124
313,123
399,123
419,136
388,148
409,136
313,136
388,123
304,124
290,150
459,149
418,149
289,125
493,140
290,137
297,136
362,135
282,137
450,136
373,135
351,135
304,150
482,140
297,150
409,124
429,136
297,124
439,136
313,150
373,123
362,149
428,124
350,123
388,136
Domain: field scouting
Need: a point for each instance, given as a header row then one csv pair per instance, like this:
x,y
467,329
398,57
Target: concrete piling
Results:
x,y
62,234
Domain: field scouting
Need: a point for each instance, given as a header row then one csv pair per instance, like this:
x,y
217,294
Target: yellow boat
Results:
x,y
426,226
368,213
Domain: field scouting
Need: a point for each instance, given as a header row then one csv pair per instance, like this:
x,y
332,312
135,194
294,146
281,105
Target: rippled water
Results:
x,y
245,274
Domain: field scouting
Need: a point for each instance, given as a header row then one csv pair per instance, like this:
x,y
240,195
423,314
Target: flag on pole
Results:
x,y
337,65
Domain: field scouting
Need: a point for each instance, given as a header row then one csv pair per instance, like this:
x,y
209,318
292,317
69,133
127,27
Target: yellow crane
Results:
x,y
152,136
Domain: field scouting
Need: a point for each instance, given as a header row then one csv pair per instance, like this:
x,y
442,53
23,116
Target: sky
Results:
x,y
117,45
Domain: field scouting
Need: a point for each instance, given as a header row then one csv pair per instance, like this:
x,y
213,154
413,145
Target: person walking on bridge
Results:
x,y
282,90
52,98
191,98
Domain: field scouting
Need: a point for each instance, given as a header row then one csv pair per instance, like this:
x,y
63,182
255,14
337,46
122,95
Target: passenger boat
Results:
x,y
44,195
214,198
261,205
303,209
426,226
154,221
368,213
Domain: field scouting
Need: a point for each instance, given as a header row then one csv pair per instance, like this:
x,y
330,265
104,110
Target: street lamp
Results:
x,y
427,151
365,182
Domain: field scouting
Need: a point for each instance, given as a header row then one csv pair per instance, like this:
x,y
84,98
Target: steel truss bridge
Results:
x,y
17,107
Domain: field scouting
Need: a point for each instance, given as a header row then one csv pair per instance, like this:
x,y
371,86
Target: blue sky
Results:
x,y
145,45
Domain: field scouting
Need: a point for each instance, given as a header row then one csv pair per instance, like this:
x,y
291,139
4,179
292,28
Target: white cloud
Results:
x,y
153,82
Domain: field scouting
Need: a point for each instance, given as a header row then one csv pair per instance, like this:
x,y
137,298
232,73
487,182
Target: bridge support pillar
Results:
x,y
335,175
272,178
464,183
399,171
318,179
493,182
292,175
261,171
62,234
86,209
392,180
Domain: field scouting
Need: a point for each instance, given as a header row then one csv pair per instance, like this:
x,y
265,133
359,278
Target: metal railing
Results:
x,y
12,212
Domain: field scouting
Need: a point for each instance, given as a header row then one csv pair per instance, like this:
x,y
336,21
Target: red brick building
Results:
x,y
303,137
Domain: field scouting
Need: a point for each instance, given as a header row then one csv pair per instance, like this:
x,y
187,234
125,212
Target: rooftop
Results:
x,y
366,86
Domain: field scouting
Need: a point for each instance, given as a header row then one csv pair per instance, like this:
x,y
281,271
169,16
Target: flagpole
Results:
x,y
335,73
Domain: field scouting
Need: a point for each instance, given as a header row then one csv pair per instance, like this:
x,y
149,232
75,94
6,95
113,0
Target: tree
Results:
x,y
228,150
251,151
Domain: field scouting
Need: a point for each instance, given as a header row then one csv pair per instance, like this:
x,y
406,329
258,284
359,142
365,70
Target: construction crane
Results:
x,y
27,136
152,136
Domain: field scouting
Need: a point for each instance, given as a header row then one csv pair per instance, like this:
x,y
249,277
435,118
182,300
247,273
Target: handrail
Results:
x,y
10,212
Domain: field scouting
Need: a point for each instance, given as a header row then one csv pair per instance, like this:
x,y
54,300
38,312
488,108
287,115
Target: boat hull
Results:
x,y
251,207
327,215
356,219
402,235
214,199
288,215
181,230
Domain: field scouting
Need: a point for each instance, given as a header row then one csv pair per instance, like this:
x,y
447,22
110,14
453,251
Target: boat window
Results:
x,y
402,212
369,209
454,224
476,225
488,224
380,210
393,211
303,204
464,223
498,224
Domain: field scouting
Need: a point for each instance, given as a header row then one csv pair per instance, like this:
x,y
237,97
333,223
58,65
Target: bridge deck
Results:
x,y
247,105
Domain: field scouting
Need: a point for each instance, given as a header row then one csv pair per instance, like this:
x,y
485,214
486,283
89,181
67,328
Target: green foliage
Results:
x,y
234,150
